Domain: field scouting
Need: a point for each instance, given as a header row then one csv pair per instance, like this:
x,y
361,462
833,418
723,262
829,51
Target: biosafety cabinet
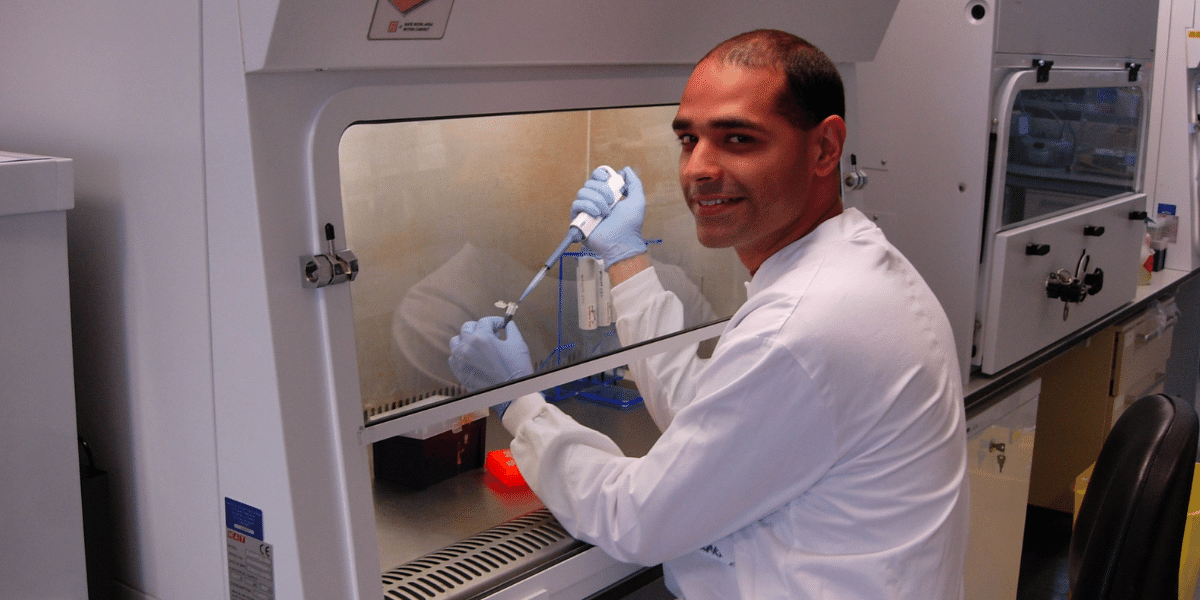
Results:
x,y
1040,152
285,209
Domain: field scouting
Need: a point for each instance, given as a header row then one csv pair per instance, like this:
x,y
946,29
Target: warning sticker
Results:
x,y
409,19
251,561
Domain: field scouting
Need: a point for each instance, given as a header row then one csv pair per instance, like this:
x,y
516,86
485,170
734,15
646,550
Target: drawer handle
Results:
x,y
1145,338
1037,249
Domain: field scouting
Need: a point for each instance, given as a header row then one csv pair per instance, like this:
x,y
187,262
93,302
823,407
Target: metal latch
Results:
x,y
855,179
335,266
1043,69
1032,249
1133,70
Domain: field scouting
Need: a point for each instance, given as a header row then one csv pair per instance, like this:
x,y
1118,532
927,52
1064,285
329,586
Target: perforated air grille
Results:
x,y
379,411
480,562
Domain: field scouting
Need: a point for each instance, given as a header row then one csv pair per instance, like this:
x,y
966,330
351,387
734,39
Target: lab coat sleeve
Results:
x,y
645,310
756,437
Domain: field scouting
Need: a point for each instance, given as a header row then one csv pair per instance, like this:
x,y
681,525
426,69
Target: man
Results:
x,y
820,452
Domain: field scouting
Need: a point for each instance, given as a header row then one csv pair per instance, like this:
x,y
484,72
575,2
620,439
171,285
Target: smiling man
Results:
x,y
756,176
820,452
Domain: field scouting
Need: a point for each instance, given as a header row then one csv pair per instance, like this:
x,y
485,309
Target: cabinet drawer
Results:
x,y
1150,384
1142,349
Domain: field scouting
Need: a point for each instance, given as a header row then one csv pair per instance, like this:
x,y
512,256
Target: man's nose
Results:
x,y
702,164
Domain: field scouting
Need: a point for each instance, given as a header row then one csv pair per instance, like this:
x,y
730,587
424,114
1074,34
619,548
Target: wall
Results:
x,y
116,87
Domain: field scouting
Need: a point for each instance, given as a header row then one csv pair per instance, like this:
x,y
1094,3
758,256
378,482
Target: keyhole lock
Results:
x,y
1062,285
998,447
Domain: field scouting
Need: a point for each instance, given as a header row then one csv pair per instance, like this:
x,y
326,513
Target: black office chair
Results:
x,y
1129,532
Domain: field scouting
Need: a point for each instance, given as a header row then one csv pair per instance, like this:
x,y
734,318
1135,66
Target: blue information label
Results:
x,y
244,518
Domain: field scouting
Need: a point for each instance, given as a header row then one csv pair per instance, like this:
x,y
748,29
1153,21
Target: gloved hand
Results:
x,y
479,358
619,235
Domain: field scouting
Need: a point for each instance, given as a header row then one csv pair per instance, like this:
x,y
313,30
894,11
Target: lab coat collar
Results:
x,y
848,224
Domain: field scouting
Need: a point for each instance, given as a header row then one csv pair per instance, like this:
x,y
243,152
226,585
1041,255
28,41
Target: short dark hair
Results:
x,y
814,88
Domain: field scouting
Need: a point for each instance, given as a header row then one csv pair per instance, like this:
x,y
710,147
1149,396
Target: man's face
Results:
x,y
745,170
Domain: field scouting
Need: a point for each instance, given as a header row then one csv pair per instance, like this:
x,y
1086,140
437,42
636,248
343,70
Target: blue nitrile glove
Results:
x,y
619,235
479,358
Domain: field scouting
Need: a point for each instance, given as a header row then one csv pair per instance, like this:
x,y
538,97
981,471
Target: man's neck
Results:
x,y
753,260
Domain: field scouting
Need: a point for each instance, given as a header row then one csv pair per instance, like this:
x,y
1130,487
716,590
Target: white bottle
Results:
x,y
604,296
587,274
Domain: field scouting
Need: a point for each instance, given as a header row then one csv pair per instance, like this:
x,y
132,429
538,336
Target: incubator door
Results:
x,y
1064,206
1066,142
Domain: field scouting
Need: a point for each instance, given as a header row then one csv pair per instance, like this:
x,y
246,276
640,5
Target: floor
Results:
x,y
1044,555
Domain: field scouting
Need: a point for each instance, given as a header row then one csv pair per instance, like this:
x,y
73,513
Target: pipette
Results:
x,y
581,227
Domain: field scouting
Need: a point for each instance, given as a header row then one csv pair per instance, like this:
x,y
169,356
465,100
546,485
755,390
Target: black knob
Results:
x,y
1093,231
1094,281
1055,289
1137,215
1037,249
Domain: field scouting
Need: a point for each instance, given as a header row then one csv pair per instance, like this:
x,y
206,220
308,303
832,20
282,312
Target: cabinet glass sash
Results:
x,y
450,216
1068,142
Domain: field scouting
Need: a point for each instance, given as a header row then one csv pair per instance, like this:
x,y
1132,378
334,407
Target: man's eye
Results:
x,y
740,139
686,139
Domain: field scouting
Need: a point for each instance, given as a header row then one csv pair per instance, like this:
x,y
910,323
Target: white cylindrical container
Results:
x,y
604,296
587,274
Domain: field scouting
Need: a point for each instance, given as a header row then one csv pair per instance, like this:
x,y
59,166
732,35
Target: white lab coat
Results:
x,y
819,454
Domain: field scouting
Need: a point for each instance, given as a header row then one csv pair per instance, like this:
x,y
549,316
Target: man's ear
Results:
x,y
829,137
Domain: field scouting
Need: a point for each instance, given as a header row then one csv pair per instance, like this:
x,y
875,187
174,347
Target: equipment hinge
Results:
x,y
1043,69
1133,70
335,266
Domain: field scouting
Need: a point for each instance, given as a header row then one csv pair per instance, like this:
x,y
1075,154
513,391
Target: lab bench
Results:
x,y
1087,379
1066,397
982,391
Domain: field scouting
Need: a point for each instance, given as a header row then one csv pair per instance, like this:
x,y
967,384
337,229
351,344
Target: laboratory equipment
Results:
x,y
42,521
216,378
581,227
1035,170
1067,211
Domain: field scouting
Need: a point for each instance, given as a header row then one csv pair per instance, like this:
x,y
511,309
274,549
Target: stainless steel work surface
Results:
x,y
411,524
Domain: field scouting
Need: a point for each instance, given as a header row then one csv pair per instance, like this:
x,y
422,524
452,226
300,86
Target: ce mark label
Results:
x,y
251,567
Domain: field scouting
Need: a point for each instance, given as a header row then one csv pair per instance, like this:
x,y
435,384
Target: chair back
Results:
x,y
1128,534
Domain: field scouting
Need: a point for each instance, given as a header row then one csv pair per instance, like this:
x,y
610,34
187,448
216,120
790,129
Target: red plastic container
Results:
x,y
501,464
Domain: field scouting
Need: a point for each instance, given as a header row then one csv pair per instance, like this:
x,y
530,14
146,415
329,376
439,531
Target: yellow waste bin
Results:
x,y
1189,560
